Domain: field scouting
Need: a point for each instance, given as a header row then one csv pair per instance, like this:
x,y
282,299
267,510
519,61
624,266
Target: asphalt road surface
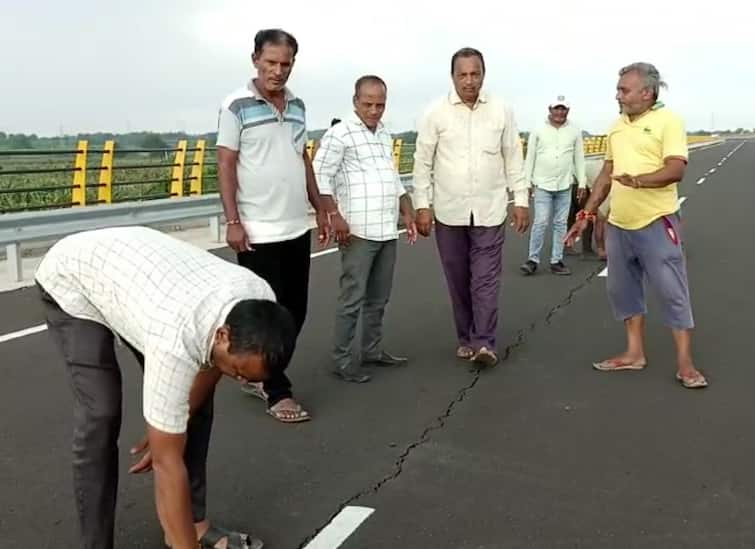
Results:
x,y
540,451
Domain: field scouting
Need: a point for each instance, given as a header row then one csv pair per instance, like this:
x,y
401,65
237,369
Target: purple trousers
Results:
x,y
472,263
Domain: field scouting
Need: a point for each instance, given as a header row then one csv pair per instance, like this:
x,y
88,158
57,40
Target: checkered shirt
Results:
x,y
355,166
164,296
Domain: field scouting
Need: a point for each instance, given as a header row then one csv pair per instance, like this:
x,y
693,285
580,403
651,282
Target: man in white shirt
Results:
x,y
189,317
468,158
363,194
267,186
555,158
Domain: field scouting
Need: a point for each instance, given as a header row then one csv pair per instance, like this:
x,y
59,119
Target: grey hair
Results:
x,y
650,73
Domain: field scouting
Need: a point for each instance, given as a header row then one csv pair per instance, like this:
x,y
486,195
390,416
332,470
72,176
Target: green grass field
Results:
x,y
129,181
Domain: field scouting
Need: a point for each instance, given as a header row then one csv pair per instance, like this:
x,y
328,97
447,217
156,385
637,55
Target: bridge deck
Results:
x,y
541,451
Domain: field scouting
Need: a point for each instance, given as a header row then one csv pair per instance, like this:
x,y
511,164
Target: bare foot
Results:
x,y
624,361
288,411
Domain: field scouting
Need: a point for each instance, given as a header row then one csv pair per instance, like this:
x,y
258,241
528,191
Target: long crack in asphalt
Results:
x,y
440,421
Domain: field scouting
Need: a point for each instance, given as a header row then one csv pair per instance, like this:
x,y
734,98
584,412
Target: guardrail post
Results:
x,y
105,190
397,152
215,229
177,177
197,168
79,191
14,261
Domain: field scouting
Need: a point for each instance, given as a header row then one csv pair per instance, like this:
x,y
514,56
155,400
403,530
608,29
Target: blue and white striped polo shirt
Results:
x,y
272,196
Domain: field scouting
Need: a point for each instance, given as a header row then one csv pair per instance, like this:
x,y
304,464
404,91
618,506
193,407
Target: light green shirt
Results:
x,y
555,158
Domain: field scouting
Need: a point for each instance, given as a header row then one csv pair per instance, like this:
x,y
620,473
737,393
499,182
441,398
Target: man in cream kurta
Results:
x,y
468,158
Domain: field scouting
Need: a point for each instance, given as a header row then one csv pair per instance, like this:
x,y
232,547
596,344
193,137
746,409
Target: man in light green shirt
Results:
x,y
555,158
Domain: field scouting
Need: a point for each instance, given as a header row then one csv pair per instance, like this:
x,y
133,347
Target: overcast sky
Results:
x,y
162,65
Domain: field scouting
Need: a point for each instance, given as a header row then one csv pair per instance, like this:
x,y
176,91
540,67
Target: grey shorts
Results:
x,y
653,254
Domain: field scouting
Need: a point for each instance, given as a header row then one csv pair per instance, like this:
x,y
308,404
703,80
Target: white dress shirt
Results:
x,y
355,166
467,161
555,158
164,296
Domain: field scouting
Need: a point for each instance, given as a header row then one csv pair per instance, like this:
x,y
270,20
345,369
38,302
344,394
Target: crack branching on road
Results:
x,y
440,421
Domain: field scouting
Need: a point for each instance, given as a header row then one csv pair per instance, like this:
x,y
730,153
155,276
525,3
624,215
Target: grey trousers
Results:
x,y
366,283
95,377
651,255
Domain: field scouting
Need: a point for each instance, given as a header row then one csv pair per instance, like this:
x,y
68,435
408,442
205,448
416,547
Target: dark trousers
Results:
x,y
472,263
95,377
285,266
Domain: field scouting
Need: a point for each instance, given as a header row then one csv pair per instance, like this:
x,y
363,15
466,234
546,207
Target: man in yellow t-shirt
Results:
x,y
646,158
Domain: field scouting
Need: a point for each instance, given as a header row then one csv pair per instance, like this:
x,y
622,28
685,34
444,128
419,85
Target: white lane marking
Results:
x,y
722,162
42,327
712,170
324,252
335,248
701,181
604,272
23,333
340,528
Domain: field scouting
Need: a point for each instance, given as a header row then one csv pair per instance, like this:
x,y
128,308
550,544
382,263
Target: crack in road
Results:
x,y
440,421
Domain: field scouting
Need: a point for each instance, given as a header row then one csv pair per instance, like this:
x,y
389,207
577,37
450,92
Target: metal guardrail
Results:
x,y
23,227
20,228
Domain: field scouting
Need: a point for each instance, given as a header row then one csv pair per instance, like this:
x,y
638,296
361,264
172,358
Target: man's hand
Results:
x,y
521,219
411,229
323,228
237,239
575,232
627,180
341,229
424,221
144,465
581,196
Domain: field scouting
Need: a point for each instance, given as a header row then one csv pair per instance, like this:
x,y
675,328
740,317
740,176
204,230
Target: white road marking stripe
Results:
x,y
701,181
340,528
712,170
604,272
23,333
324,252
335,248
42,327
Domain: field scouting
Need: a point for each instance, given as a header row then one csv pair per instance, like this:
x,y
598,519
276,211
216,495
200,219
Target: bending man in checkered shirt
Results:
x,y
363,194
189,317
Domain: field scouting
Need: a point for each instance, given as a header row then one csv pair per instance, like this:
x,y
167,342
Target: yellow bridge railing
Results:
x,y
167,177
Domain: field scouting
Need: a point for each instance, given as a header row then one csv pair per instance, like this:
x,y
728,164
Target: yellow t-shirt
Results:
x,y
640,147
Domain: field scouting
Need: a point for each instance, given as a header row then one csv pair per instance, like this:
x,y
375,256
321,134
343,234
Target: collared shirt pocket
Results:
x,y
490,139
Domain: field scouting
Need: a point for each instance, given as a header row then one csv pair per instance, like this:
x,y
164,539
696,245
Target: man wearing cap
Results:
x,y
646,158
555,158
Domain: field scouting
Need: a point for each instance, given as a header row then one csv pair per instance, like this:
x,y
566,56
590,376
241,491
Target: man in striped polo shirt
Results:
x,y
267,185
